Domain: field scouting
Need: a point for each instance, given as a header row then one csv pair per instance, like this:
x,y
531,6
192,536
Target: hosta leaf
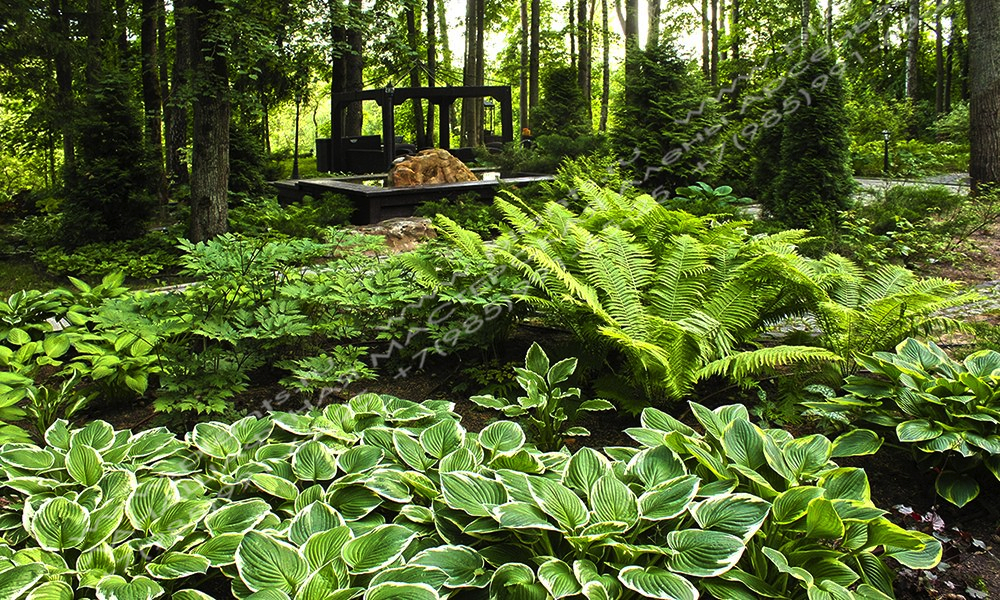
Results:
x,y
806,455
115,587
612,500
57,435
314,518
917,430
267,563
27,458
353,502
472,493
360,459
655,466
313,461
376,549
389,484
50,590
181,515
401,591
149,501
654,582
442,438
190,595
103,522
326,584
882,532
781,562
175,565
413,574
792,504
957,488
584,469
860,442
668,499
463,566
925,558
558,579
18,580
251,430
325,547
559,502
502,437
275,486
60,524
846,484
822,520
703,553
522,460
220,549
736,514
410,451
237,517
744,444
99,435
522,515
516,581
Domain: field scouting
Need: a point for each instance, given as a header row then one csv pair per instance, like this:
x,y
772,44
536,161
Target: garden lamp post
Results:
x,y
885,156
489,106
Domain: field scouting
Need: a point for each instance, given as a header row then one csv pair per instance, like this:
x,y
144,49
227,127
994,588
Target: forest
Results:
x,y
702,301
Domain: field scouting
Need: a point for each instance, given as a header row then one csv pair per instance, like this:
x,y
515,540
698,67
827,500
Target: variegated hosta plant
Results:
x,y
384,498
948,410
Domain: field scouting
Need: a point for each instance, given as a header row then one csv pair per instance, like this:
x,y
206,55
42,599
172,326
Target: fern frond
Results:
x,y
469,242
523,221
622,270
679,287
741,365
887,280
423,269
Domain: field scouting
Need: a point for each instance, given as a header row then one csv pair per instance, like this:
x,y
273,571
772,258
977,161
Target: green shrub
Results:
x,y
562,109
909,158
392,499
947,410
468,210
143,257
263,216
702,199
954,126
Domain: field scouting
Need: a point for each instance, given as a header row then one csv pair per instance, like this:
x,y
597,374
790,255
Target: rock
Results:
x,y
401,234
428,166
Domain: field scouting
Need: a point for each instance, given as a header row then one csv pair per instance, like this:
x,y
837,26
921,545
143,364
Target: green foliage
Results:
x,y
262,215
662,121
811,182
548,408
326,371
395,499
947,410
247,161
909,158
702,199
562,109
142,257
468,210
954,126
546,154
109,187
600,168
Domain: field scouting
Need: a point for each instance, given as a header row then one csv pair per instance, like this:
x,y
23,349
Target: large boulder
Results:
x,y
428,166
401,234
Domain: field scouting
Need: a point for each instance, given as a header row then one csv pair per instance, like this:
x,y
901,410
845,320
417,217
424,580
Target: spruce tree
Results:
x,y
562,109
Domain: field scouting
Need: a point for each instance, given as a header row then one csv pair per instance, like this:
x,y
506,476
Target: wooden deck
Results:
x,y
376,203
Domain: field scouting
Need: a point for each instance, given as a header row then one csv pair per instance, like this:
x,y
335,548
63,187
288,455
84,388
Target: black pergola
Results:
x,y
338,159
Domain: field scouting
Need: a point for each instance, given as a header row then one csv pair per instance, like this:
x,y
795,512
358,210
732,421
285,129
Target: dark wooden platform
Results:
x,y
374,203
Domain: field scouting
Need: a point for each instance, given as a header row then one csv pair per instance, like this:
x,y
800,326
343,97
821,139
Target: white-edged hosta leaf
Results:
x,y
522,515
27,458
251,430
237,517
389,484
215,440
656,465
612,500
442,438
99,435
220,549
668,499
190,595
50,590
744,444
266,563
957,488
314,518
275,485
116,587
149,501
58,435
181,515
411,573
268,595
780,561
822,520
84,465
846,483
323,584
926,557
737,514
401,591
60,524
353,502
463,566
472,493
654,582
459,460
410,451
103,522
918,430
516,581
16,581
558,579
313,461
584,468
559,502
521,460
175,565
502,437
326,546
360,459
859,442
793,503
703,553
376,549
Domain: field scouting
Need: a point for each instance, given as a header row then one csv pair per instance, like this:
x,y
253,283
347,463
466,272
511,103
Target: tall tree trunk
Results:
x,y
806,19
121,12
605,67
431,68
447,56
723,23
653,38
912,50
714,67
938,59
177,103
522,97
418,109
583,39
210,144
59,25
829,23
151,96
469,75
533,57
632,49
984,89
734,28
572,35
338,68
950,56
354,69
480,67
95,40
706,41
161,50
